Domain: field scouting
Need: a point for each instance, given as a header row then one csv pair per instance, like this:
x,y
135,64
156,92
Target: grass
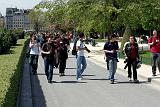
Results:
x,y
145,57
100,40
10,69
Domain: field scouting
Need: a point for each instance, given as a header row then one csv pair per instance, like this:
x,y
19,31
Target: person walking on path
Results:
x,y
154,44
48,50
81,60
34,53
63,55
111,49
132,57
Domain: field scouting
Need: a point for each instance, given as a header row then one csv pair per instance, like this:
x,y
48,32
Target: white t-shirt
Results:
x,y
81,45
35,49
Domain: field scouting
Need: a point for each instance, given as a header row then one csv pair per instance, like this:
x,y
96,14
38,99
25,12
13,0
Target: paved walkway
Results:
x,y
96,56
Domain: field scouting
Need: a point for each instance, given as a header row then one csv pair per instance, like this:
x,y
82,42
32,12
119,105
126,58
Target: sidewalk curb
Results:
x,y
26,89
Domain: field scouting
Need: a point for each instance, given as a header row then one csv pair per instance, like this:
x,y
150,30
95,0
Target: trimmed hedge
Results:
x,y
7,39
10,72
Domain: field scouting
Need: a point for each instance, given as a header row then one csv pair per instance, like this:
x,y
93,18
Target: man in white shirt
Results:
x,y
80,56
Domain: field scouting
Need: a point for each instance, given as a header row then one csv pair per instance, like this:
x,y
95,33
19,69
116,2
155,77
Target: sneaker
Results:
x,y
136,81
63,74
49,81
130,80
79,79
112,81
154,75
34,73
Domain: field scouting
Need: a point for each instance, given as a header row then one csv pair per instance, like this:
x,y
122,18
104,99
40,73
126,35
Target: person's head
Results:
x,y
132,39
49,40
81,35
113,37
33,39
154,33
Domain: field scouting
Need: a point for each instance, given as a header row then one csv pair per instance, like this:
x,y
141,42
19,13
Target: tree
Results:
x,y
38,19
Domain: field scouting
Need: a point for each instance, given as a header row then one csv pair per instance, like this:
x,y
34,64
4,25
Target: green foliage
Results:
x,y
126,36
7,39
10,71
104,15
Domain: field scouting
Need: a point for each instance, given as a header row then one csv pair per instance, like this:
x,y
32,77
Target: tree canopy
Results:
x,y
103,15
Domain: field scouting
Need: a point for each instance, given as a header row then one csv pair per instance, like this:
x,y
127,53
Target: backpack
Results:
x,y
74,50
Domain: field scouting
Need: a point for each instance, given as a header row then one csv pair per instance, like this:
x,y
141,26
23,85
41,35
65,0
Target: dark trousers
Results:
x,y
155,59
49,64
132,63
62,66
33,60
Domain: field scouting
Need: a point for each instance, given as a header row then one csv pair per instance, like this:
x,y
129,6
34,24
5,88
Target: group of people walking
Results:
x,y
131,53
54,50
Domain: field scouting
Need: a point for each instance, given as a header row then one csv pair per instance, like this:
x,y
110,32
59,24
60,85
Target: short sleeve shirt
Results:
x,y
81,45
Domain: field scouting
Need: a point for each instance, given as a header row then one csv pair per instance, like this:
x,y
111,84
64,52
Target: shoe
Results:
x,y
130,80
79,79
136,81
112,81
60,74
34,73
49,81
154,75
63,74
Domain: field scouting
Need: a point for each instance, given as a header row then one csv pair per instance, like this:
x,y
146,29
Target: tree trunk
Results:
x,y
126,36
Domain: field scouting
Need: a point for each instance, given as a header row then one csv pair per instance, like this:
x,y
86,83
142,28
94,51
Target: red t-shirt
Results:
x,y
133,52
155,48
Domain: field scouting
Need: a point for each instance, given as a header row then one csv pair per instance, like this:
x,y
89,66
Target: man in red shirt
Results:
x,y
154,44
132,56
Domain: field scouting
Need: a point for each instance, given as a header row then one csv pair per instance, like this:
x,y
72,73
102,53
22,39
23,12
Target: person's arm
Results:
x,y
44,52
125,50
106,50
78,46
31,44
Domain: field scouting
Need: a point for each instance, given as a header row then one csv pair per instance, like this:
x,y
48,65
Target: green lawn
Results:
x,y
145,57
10,68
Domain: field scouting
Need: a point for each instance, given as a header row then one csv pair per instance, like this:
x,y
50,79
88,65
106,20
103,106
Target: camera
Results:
x,y
126,60
87,49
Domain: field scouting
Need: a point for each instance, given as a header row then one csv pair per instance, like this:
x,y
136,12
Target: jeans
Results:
x,y
49,64
81,65
155,59
112,68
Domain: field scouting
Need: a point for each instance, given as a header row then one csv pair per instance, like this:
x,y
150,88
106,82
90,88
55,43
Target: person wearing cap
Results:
x,y
132,56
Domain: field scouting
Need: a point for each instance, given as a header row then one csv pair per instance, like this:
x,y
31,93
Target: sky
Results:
x,y
20,4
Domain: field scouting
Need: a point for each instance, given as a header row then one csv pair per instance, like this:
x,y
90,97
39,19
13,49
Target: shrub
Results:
x,y
7,39
10,72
